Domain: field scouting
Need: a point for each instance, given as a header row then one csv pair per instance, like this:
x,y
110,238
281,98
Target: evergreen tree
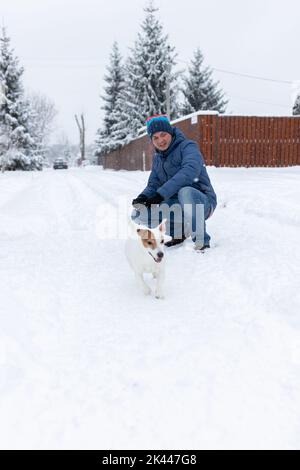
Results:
x,y
200,91
18,146
148,73
115,84
296,108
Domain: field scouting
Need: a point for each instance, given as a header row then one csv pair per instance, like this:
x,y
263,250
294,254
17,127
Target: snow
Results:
x,y
87,361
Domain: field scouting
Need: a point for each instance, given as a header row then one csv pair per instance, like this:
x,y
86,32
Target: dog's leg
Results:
x,y
140,279
160,278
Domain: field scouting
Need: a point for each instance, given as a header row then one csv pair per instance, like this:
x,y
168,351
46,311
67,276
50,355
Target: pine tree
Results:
x,y
200,91
148,73
296,108
115,84
18,146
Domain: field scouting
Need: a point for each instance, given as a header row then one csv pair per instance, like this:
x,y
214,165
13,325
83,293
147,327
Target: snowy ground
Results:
x,y
86,361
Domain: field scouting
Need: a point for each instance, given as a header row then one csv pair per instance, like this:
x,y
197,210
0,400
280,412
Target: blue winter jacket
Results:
x,y
180,165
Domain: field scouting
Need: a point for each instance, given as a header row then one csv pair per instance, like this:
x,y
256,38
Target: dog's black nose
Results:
x,y
160,254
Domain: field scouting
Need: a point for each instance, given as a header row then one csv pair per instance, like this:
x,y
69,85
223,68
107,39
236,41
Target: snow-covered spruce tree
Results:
x,y
199,90
114,85
148,71
18,146
296,108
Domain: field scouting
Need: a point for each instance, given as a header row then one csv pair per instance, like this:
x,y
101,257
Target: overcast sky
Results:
x,y
64,47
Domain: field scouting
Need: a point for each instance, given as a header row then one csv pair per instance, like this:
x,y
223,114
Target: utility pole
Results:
x,y
2,102
168,85
168,92
2,93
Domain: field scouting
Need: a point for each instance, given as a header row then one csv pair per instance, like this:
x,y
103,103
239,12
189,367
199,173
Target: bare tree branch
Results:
x,y
81,129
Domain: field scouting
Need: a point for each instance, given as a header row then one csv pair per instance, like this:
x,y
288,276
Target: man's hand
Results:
x,y
140,200
156,199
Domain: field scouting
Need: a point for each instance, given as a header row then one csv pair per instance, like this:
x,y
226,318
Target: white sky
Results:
x,y
64,46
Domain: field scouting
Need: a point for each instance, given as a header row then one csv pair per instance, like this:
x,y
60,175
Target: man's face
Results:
x,y
161,140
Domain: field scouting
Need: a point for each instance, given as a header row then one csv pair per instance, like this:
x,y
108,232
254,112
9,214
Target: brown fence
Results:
x,y
228,141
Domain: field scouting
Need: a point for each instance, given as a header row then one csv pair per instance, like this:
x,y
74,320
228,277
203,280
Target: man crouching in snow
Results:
x,y
178,188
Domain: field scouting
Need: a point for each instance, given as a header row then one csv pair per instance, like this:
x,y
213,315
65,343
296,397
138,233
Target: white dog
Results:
x,y
145,253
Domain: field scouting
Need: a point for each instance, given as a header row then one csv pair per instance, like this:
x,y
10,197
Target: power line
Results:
x,y
239,74
86,63
254,77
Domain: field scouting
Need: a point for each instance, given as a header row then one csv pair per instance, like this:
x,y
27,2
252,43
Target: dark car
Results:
x,y
59,164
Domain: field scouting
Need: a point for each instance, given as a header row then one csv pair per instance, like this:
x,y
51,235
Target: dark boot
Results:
x,y
201,248
175,241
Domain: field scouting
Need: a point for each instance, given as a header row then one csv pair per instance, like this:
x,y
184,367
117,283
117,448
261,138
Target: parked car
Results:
x,y
59,164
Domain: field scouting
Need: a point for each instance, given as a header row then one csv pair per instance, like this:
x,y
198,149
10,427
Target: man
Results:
x,y
178,179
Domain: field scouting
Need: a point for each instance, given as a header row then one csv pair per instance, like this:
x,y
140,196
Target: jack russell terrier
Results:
x,y
145,253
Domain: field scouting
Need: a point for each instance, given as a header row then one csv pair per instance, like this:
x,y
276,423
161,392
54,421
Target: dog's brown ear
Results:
x,y
142,232
162,226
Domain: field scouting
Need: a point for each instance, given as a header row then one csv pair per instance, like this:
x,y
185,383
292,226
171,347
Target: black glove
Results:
x,y
156,199
141,199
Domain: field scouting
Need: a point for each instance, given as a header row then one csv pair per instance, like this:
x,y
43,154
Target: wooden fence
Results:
x,y
225,141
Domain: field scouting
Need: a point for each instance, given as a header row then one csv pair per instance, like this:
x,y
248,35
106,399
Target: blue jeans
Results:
x,y
186,214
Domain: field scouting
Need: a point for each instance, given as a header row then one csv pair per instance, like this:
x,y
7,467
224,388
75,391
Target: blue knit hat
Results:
x,y
158,123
